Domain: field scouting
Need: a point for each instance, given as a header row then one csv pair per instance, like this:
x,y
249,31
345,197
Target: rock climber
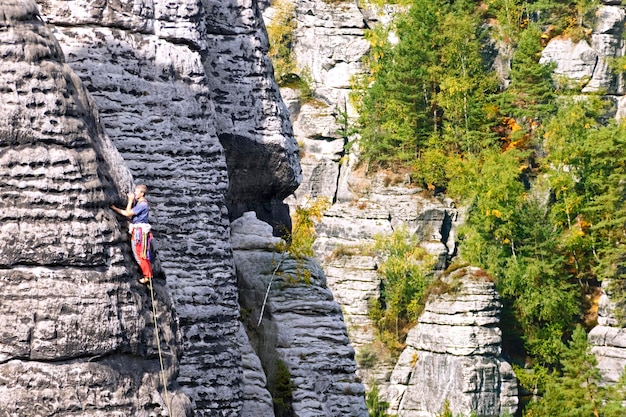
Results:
x,y
140,235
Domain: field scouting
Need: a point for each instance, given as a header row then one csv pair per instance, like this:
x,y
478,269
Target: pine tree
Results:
x,y
530,96
430,90
576,393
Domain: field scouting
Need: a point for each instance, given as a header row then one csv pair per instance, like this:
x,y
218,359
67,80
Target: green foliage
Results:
x,y
543,178
576,391
282,388
375,406
430,89
305,85
280,34
573,19
530,95
618,64
508,233
432,169
588,177
366,358
447,412
405,273
301,239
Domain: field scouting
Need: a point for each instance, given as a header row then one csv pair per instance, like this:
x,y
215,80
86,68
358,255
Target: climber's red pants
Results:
x,y
141,236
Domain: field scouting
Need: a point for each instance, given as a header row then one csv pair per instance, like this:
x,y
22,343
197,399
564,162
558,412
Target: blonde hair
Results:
x,y
142,188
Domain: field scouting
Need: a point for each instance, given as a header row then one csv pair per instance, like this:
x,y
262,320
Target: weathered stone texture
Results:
x,y
77,333
301,326
251,119
453,354
143,63
586,63
608,338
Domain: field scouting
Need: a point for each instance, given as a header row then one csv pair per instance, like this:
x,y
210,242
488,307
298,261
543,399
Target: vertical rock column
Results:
x,y
302,327
142,62
453,354
251,119
76,335
608,338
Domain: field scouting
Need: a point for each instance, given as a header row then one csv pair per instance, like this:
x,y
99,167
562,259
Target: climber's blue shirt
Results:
x,y
141,213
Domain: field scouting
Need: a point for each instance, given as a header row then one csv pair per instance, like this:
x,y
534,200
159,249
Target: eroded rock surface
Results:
x,y
585,64
172,79
251,119
142,64
77,333
608,338
301,325
453,354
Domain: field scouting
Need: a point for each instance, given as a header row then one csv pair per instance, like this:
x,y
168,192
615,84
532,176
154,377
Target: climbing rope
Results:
x,y
156,333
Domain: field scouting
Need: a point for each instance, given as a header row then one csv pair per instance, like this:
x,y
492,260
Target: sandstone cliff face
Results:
x,y
608,340
301,325
329,41
77,334
364,205
586,63
141,63
453,354
165,82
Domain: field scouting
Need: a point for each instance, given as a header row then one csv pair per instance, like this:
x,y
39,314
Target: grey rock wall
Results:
x,y
170,80
77,330
142,64
251,120
608,339
453,354
301,325
585,64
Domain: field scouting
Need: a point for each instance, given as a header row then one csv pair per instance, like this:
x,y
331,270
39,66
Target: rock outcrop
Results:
x,y
301,338
453,354
585,64
251,120
166,82
77,333
608,339
143,67
329,42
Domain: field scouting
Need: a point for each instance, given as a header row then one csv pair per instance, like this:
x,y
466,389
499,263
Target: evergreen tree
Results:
x,y
375,406
508,232
577,392
530,96
430,90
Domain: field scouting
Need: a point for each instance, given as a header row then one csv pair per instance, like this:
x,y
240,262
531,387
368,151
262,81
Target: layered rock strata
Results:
x,y
147,78
171,80
251,120
77,332
608,339
329,44
301,326
348,227
453,354
586,64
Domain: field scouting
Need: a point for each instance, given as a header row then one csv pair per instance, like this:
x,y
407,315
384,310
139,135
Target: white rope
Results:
x,y
156,333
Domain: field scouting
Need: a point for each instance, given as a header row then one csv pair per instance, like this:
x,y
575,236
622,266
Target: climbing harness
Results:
x,y
141,238
158,341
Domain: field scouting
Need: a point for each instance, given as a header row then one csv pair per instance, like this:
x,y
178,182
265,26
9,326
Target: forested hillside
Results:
x,y
540,167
